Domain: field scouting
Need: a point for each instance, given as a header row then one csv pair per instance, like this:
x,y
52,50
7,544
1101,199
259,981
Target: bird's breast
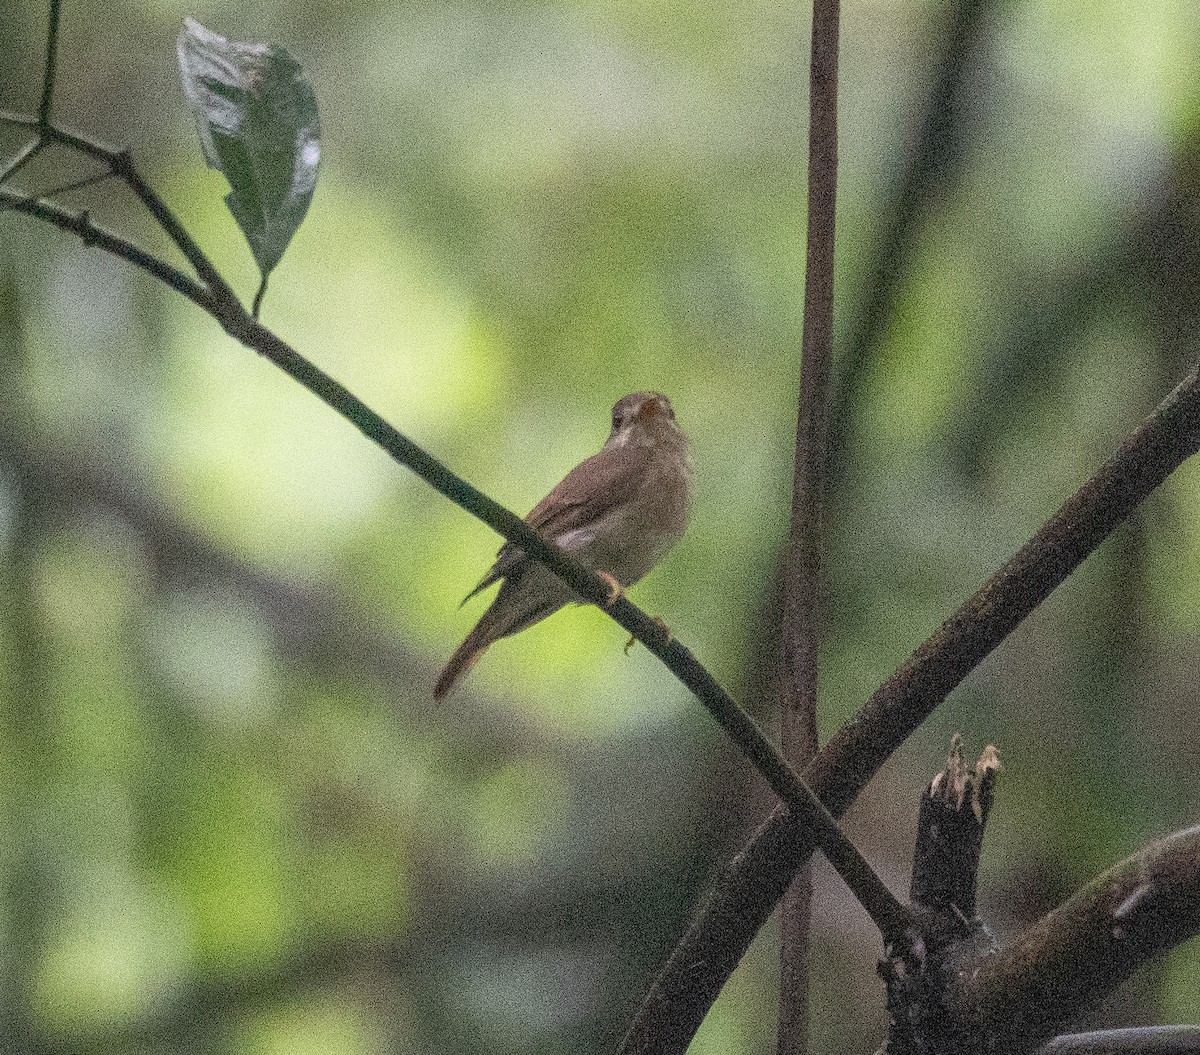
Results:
x,y
634,535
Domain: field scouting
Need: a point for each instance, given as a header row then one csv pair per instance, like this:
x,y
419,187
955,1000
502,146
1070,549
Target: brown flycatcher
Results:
x,y
618,513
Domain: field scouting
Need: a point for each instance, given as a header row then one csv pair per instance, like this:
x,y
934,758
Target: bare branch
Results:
x,y
22,158
50,71
81,225
800,636
1080,952
74,185
120,164
747,892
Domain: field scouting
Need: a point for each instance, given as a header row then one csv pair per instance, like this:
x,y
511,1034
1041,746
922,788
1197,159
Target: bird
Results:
x,y
618,513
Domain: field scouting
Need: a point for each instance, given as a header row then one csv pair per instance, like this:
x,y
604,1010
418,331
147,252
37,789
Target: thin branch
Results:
x,y
889,915
1076,955
75,140
120,164
747,892
81,225
800,637
66,188
51,68
22,158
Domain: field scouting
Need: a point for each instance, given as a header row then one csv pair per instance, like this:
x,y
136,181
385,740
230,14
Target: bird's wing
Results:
x,y
583,496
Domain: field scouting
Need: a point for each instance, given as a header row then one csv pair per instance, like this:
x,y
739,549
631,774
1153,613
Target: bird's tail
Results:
x,y
465,657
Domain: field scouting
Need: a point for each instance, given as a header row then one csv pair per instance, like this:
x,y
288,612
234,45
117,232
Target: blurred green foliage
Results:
x,y
233,822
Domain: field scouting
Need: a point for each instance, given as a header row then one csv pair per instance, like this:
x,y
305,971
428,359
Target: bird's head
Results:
x,y
644,418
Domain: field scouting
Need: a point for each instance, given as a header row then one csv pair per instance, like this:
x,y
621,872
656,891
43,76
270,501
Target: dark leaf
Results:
x,y
259,127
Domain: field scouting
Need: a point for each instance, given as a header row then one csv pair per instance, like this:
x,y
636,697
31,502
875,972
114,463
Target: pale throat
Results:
x,y
639,437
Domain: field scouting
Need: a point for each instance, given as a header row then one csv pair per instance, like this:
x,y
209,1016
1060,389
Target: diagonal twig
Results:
x,y
22,158
81,225
66,188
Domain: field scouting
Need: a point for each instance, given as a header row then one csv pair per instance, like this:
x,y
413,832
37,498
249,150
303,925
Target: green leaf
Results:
x,y
259,127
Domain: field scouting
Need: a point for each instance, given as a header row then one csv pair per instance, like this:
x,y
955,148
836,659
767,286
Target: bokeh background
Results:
x,y
232,820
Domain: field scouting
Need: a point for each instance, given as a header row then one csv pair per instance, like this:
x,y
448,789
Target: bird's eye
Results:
x,y
616,421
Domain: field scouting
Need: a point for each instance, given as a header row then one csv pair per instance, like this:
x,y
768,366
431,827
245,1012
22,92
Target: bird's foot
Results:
x,y
614,588
665,629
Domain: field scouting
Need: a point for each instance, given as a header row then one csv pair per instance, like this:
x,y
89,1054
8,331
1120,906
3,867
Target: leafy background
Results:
x,y
232,819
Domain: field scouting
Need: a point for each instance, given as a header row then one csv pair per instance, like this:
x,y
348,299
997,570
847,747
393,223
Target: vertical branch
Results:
x,y
36,145
51,69
801,633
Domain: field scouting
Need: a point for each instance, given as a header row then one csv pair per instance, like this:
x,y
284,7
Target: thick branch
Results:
x,y
746,894
1084,949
